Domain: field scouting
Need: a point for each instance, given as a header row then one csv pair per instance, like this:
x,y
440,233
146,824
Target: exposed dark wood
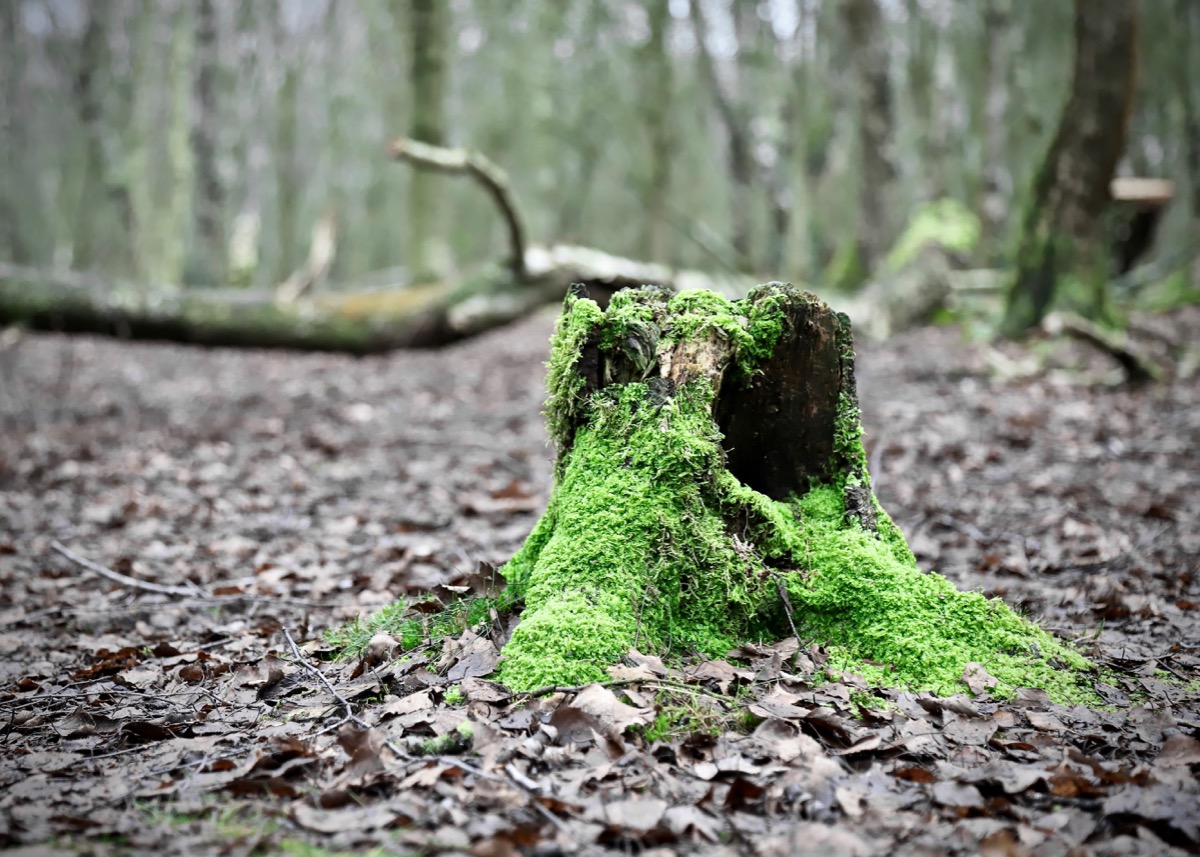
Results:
x,y
779,422
1140,204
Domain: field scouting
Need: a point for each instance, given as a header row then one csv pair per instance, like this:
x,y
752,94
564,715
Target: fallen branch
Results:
x,y
347,707
1138,367
190,590
321,252
493,179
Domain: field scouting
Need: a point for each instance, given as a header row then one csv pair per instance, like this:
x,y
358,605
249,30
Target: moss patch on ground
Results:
x,y
638,547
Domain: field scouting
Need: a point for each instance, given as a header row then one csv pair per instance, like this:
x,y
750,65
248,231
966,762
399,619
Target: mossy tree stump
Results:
x,y
711,488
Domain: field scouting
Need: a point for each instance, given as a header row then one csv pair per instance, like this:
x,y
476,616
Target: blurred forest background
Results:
x,y
203,141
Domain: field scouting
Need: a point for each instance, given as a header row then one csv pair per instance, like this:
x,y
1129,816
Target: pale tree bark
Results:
x,y
386,194
163,210
1061,232
288,176
208,264
14,191
809,127
655,106
738,155
105,192
429,33
338,158
997,180
923,46
869,58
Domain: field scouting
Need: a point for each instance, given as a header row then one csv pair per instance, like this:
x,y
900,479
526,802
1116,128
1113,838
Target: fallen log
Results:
x,y
356,321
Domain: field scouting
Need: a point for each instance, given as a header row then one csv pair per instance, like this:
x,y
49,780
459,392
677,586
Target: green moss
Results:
x,y
635,513
580,319
946,222
414,628
457,740
638,547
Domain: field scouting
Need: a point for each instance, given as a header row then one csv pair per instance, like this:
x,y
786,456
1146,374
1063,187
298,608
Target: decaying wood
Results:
x,y
321,252
779,424
1139,367
910,296
356,321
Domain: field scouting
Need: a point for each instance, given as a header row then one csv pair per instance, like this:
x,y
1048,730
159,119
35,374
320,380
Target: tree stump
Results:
x,y
712,489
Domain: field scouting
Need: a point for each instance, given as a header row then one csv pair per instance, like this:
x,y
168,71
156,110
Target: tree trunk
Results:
x,y
1188,17
357,321
209,255
738,154
655,107
1061,233
429,30
997,182
876,131
711,488
105,190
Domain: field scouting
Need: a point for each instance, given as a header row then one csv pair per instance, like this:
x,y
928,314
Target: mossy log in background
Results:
x,y
711,488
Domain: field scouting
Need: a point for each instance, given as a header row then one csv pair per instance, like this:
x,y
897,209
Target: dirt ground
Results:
x,y
234,499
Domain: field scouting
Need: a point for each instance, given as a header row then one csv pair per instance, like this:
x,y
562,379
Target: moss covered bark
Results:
x,y
657,537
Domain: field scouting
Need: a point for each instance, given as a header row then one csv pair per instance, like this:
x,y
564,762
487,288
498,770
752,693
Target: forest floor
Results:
x,y
268,495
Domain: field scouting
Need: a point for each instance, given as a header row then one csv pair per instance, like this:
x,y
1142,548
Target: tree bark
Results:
x,y
738,154
429,31
655,108
494,180
1061,232
997,181
356,321
103,180
876,131
209,255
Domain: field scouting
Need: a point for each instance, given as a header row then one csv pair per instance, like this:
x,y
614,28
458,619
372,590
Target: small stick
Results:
x,y
125,580
189,591
341,700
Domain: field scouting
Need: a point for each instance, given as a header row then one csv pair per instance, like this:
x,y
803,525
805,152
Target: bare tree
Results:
x,y
656,118
104,185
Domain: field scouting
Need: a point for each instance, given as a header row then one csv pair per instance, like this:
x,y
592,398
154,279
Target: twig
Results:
x,y
350,717
787,603
125,580
190,591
